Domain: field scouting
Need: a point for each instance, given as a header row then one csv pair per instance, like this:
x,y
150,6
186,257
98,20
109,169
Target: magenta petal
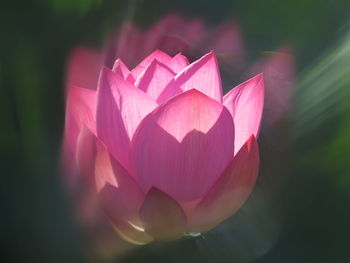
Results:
x,y
80,111
154,79
230,191
120,68
120,108
83,68
85,156
178,63
162,217
119,194
158,55
183,146
202,75
245,102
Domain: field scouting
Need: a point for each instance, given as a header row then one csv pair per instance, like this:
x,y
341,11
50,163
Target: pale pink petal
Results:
x,y
83,68
193,31
119,194
162,217
80,111
279,73
120,108
178,63
245,103
227,43
158,55
85,158
170,91
202,75
183,146
230,191
155,79
120,68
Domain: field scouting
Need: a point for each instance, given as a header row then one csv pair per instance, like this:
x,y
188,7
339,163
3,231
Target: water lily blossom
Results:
x,y
165,151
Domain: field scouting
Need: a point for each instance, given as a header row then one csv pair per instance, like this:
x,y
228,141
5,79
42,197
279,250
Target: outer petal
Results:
x,y
154,79
83,68
230,191
85,157
245,102
80,111
183,146
158,55
120,109
178,63
202,75
162,217
120,196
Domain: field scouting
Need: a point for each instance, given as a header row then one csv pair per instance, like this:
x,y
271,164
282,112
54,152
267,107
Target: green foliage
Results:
x,y
73,6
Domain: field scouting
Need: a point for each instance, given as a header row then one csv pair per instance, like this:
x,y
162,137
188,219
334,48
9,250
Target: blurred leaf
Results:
x,y
27,89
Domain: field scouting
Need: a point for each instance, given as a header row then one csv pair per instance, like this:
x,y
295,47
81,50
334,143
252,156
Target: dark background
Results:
x,y
305,220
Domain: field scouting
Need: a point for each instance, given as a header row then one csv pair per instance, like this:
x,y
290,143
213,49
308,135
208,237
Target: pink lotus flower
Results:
x,y
165,151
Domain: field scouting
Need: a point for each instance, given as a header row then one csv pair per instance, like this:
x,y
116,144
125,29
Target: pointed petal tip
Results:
x,y
107,74
117,62
257,78
252,144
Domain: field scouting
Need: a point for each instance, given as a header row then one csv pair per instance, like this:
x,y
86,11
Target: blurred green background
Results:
x,y
305,220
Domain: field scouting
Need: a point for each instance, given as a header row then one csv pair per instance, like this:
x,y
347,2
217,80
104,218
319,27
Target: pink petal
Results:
x,y
183,146
279,73
120,109
154,79
230,191
202,75
178,63
158,55
80,111
245,103
120,68
113,180
83,68
227,42
162,217
85,156
119,194
193,31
